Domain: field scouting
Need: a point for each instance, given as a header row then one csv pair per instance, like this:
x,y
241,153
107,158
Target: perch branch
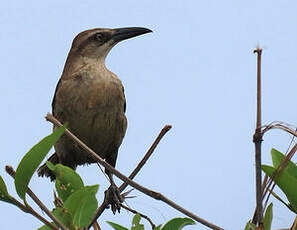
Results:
x,y
135,185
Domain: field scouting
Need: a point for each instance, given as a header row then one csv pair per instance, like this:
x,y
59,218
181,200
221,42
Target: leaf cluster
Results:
x,y
76,203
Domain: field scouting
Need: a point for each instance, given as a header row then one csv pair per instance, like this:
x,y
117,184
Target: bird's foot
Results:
x,y
114,198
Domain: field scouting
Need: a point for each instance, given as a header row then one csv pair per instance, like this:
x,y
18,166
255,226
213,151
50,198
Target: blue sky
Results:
x,y
196,72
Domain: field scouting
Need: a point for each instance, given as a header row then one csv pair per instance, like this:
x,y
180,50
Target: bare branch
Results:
x,y
279,125
139,187
257,139
147,155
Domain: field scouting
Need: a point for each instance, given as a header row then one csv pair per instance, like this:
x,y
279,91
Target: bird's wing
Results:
x,y
54,99
124,98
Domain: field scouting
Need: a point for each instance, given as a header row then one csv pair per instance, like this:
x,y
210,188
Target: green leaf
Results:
x,y
67,182
277,158
116,226
135,223
85,212
249,225
178,223
268,217
82,205
286,182
4,196
3,188
64,216
32,160
136,219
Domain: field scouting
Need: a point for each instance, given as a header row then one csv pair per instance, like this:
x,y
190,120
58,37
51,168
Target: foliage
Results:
x,y
268,217
32,160
286,180
173,224
266,221
76,203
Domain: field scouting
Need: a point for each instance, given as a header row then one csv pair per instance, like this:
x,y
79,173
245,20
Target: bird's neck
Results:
x,y
75,63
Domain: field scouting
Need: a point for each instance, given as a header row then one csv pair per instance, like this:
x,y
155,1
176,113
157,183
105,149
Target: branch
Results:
x,y
105,203
155,195
279,170
268,182
146,156
99,211
257,139
11,172
280,125
30,210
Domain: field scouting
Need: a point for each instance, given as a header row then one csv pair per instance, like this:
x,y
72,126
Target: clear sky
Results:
x,y
196,72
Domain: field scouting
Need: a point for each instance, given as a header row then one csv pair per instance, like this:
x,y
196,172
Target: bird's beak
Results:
x,y
121,34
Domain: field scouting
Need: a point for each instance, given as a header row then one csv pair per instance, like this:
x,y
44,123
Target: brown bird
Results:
x,y
91,99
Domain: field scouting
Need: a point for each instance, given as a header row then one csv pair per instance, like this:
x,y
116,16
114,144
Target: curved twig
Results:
x,y
279,125
146,156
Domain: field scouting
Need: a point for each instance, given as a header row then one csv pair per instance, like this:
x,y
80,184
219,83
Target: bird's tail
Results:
x,y
44,170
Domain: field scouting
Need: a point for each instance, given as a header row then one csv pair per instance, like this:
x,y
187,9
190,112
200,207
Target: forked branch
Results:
x,y
153,194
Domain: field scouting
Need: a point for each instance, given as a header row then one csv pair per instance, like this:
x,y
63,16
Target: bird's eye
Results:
x,y
99,37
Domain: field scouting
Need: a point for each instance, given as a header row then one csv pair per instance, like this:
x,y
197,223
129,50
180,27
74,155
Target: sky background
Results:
x,y
196,71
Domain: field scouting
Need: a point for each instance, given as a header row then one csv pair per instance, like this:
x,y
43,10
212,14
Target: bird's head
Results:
x,y
96,43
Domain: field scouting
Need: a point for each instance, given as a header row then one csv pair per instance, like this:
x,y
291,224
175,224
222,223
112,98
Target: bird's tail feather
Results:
x,y
44,170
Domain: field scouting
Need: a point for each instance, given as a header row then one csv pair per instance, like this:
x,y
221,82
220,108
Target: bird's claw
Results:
x,y
114,198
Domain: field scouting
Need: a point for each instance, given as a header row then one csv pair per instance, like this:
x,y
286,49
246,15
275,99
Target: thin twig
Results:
x,y
99,211
294,224
142,215
257,139
96,226
153,194
104,205
280,168
267,183
280,125
30,210
11,172
146,156
266,186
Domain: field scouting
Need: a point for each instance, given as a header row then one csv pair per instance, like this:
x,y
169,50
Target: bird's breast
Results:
x,y
94,106
91,90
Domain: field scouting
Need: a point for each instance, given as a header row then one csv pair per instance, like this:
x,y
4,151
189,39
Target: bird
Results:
x,y
91,99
